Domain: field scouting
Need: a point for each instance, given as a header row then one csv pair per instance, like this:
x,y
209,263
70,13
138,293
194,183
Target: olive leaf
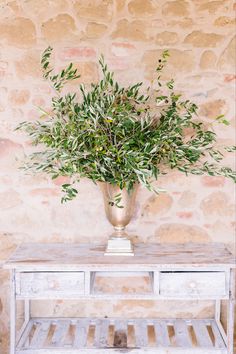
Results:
x,y
122,135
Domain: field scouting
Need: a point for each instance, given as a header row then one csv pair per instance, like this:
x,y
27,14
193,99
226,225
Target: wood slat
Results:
x,y
182,334
219,342
131,334
25,335
141,336
81,332
162,336
101,333
61,330
202,334
40,335
120,335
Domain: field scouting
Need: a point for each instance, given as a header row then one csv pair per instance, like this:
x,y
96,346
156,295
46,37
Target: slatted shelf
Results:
x,y
83,335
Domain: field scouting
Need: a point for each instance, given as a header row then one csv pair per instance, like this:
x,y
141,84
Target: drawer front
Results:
x,y
193,284
50,284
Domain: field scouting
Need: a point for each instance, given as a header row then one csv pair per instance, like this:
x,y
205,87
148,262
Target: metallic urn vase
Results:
x,y
119,215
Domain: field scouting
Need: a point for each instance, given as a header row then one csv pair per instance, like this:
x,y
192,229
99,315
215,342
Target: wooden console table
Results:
x,y
174,271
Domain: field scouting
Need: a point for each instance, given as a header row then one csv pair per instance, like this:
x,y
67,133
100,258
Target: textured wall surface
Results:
x,y
131,34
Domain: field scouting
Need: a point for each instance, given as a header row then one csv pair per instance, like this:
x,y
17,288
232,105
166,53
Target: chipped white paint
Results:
x,y
69,271
99,338
48,284
13,313
126,351
193,284
59,257
230,318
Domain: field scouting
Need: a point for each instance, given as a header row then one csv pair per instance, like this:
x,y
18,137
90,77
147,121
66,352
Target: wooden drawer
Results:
x,y
49,284
193,284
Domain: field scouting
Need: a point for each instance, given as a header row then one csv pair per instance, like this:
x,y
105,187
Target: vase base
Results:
x,y
119,246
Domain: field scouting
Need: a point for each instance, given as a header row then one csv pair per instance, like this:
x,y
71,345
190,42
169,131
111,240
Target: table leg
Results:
x,y
230,314
13,314
26,319
217,310
27,310
218,319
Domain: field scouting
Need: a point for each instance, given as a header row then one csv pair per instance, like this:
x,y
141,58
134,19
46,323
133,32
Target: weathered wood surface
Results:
x,y
192,284
231,311
46,284
124,351
61,256
48,334
175,271
173,285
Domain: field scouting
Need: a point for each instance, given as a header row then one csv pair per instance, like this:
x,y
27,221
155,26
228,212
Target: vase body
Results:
x,y
119,215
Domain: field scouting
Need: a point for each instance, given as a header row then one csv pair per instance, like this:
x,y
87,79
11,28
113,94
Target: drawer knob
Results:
x,y
192,285
34,289
51,284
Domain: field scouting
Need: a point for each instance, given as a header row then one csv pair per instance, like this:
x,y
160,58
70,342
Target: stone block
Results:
x,y
77,53
99,10
120,5
212,7
178,62
95,30
227,59
158,205
28,65
184,214
19,97
213,181
88,71
181,23
201,39
44,9
166,38
58,28
122,49
134,31
224,21
217,204
181,233
20,33
140,8
212,109
208,60
176,8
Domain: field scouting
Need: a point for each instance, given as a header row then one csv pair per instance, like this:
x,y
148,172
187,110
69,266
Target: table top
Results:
x,y
64,256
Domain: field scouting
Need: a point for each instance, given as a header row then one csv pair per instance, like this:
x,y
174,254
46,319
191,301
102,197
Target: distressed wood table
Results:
x,y
174,271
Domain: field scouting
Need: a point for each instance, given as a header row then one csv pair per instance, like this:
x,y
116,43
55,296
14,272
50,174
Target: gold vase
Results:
x,y
119,215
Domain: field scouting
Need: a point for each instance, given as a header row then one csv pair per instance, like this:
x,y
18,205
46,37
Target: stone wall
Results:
x,y
131,34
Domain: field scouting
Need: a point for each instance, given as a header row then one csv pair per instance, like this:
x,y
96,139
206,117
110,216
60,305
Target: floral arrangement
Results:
x,y
120,135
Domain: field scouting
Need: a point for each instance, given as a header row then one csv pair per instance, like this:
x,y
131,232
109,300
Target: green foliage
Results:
x,y
116,134
57,80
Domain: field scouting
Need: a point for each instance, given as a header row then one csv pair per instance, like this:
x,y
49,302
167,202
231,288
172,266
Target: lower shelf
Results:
x,y
81,335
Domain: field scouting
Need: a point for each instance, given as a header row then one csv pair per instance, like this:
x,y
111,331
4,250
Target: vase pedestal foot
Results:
x,y
119,246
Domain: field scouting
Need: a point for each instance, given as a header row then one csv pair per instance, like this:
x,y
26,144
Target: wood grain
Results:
x,y
61,256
